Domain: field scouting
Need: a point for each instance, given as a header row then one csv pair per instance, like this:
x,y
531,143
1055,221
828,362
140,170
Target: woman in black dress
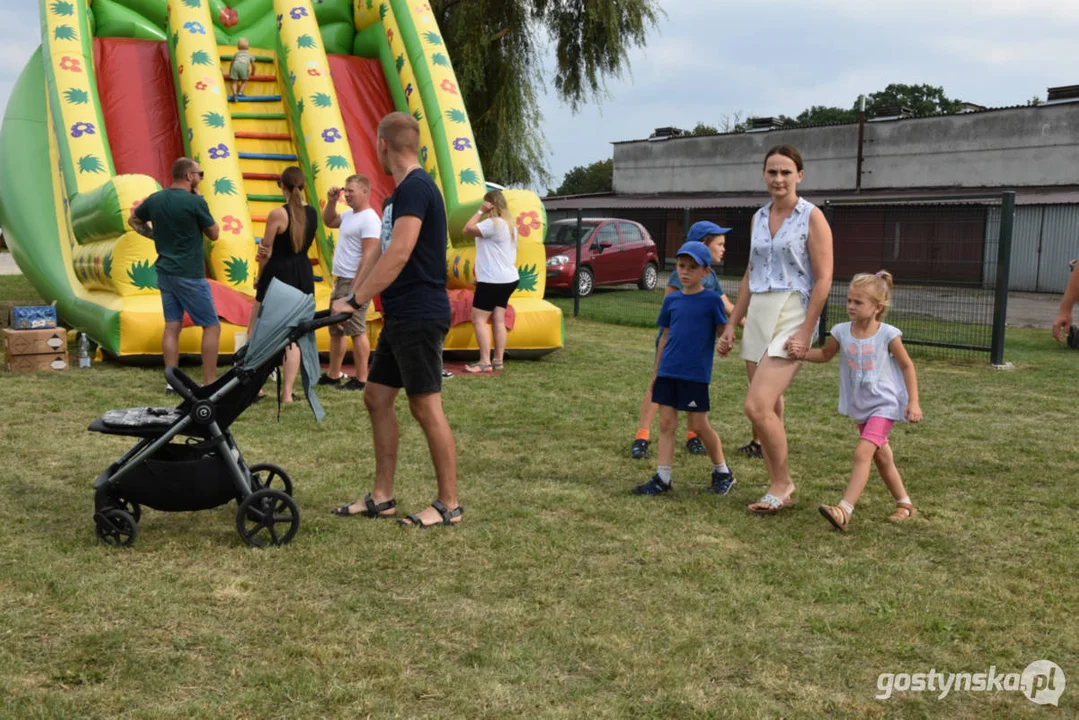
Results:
x,y
282,254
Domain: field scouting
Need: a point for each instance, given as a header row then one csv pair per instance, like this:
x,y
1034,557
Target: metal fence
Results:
x,y
950,257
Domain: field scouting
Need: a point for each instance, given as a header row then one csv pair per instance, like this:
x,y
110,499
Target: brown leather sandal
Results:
x,y
835,515
903,512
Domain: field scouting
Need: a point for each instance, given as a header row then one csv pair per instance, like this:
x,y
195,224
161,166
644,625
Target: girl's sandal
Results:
x,y
835,515
903,511
477,367
497,366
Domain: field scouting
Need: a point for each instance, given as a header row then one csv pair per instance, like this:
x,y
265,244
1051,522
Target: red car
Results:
x,y
613,252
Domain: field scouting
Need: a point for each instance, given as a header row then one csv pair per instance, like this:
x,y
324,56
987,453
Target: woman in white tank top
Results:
x,y
496,278
781,297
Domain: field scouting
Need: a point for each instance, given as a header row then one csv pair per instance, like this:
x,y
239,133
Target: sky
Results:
x,y
708,59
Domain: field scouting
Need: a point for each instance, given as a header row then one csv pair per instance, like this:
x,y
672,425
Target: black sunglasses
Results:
x,y
200,173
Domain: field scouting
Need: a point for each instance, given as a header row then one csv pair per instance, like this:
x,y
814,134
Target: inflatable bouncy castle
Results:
x,y
120,88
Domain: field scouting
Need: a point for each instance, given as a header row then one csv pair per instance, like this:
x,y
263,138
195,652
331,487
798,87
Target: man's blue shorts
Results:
x,y
180,294
684,395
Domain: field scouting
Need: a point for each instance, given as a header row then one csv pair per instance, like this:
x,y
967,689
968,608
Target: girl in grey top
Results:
x,y
877,388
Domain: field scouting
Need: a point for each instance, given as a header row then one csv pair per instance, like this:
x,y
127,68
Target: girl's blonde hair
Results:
x,y
292,184
498,201
878,286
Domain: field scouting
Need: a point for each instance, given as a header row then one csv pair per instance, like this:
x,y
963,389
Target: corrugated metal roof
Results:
x,y
848,122
1066,195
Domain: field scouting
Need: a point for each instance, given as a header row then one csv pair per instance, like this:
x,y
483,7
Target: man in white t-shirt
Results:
x,y
358,246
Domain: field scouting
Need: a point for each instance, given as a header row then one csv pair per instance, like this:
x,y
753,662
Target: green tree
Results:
x,y
595,178
702,129
922,99
497,46
821,114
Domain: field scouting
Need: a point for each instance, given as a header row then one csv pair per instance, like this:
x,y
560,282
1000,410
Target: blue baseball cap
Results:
x,y
698,231
698,251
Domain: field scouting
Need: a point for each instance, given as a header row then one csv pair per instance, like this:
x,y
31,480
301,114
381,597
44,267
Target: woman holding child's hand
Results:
x,y
781,298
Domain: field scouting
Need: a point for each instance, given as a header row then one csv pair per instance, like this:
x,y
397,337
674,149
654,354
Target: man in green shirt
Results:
x,y
176,218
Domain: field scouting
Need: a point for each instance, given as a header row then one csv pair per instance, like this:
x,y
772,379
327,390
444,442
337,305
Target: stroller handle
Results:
x,y
322,319
181,383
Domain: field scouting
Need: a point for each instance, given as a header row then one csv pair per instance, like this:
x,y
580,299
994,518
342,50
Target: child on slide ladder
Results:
x,y
240,69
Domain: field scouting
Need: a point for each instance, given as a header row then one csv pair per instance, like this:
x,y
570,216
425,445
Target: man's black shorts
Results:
x,y
409,355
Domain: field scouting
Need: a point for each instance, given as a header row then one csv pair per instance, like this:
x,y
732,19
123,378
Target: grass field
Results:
x,y
560,595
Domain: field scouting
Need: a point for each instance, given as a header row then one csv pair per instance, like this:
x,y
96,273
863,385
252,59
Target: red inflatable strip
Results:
x,y
253,78
365,99
261,176
263,136
138,103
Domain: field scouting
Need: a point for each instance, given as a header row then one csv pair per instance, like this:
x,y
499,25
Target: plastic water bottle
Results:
x,y
84,351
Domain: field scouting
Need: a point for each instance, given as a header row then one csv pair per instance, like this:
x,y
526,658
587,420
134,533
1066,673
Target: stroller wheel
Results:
x,y
267,517
115,527
268,475
132,508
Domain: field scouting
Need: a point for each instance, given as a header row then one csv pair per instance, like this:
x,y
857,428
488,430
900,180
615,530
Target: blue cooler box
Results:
x,y
33,317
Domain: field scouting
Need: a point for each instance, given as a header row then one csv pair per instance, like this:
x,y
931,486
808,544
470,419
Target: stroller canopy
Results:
x,y
282,311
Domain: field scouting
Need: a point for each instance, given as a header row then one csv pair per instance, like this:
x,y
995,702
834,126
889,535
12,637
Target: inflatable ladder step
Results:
x,y
227,57
263,136
257,116
266,156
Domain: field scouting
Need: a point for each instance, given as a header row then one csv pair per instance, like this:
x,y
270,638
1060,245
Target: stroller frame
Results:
x,y
208,469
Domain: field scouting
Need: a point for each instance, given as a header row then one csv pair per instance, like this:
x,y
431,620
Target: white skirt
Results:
x,y
770,321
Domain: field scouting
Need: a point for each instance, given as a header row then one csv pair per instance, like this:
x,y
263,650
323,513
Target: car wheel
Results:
x,y
585,282
649,276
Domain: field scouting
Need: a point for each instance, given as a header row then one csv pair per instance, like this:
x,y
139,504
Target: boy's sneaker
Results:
x,y
695,446
639,451
655,486
446,373
722,482
352,384
325,379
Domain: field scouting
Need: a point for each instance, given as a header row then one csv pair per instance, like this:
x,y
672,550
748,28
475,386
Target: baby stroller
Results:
x,y
186,458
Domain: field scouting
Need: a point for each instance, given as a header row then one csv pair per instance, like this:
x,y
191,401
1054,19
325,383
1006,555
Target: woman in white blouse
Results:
x,y
781,297
496,278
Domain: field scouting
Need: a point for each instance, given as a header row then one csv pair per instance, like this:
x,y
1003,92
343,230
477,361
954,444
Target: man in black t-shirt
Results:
x,y
410,275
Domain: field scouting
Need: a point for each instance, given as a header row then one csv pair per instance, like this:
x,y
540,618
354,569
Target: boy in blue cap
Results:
x,y
690,320
714,237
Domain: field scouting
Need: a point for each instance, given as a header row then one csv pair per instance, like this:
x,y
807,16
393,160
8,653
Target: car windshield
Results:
x,y
564,233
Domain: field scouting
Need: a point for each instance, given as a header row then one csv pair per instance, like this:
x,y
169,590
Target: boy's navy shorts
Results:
x,y
684,395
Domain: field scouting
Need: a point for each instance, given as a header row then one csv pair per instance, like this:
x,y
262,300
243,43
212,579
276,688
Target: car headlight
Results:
x,y
557,260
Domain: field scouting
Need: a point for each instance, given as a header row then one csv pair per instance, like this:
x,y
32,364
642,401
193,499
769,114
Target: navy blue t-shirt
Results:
x,y
419,292
691,340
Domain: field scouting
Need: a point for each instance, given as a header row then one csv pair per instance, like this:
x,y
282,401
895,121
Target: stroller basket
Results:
x,y
178,478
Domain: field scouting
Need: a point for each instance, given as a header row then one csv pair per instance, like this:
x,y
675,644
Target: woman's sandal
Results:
x,y
752,450
773,504
835,515
477,367
372,509
903,511
448,517
497,366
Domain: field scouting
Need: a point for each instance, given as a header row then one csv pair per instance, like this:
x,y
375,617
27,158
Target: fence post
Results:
x,y
822,323
577,267
1004,263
